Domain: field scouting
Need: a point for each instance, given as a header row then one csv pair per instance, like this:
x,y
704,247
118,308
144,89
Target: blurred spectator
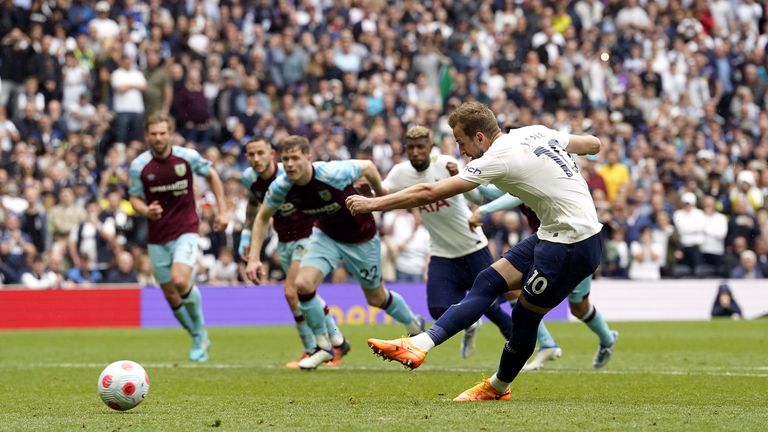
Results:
x,y
191,109
94,237
665,236
743,224
39,276
615,175
30,96
123,272
224,270
120,214
747,192
647,258
75,82
33,220
16,248
690,223
715,231
65,216
128,84
14,45
158,94
616,255
725,305
747,268
144,274
102,28
81,114
9,134
81,274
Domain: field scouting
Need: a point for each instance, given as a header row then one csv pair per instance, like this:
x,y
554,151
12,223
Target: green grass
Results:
x,y
697,376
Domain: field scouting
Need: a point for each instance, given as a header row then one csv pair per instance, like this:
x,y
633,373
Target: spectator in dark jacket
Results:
x,y
725,305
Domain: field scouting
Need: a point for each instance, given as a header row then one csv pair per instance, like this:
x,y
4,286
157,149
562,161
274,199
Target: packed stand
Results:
x,y
677,92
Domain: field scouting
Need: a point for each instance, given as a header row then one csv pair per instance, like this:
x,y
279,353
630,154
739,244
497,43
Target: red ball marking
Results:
x,y
129,389
127,366
106,381
146,378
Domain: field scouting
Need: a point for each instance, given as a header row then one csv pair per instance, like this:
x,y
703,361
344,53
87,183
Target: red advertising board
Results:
x,y
69,308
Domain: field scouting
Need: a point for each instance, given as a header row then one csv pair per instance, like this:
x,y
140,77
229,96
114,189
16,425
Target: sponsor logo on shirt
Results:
x,y
472,170
434,207
328,209
178,188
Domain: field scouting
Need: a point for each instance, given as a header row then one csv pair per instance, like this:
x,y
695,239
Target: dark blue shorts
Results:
x,y
449,279
552,270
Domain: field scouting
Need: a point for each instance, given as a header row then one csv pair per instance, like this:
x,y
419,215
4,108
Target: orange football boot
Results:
x,y
400,350
482,392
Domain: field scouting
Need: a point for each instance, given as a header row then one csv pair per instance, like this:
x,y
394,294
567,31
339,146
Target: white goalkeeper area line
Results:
x,y
746,372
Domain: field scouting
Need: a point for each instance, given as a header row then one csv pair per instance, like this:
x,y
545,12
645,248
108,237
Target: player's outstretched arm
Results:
x,y
217,187
583,145
414,196
253,271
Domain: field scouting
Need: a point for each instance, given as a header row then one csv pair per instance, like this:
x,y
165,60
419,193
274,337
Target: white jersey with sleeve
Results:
x,y
446,220
531,163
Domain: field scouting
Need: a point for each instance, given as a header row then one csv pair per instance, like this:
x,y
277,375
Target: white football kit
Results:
x,y
531,163
446,220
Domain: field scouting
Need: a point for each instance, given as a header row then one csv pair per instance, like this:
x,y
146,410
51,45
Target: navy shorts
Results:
x,y
552,270
449,279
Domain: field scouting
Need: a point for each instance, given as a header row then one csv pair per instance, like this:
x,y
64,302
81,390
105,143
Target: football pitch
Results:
x,y
697,376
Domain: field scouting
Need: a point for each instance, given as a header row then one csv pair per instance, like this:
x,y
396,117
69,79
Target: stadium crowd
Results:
x,y
677,91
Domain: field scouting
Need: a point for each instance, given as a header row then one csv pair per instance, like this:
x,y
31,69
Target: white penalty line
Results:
x,y
669,372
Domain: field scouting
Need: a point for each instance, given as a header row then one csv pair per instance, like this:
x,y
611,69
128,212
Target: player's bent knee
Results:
x,y
303,286
180,281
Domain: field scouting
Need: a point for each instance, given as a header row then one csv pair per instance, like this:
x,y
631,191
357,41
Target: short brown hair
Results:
x,y
474,117
292,141
159,117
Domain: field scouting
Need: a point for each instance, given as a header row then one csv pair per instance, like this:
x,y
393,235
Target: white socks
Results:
x,y
499,385
422,341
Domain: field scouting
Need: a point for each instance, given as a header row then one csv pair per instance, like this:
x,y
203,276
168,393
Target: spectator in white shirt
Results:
x,y
632,17
715,230
647,259
128,83
103,28
40,277
689,222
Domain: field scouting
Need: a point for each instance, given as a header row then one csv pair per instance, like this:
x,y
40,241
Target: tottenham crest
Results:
x,y
325,195
181,169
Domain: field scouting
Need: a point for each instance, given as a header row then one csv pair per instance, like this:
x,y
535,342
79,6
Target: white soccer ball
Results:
x,y
123,385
